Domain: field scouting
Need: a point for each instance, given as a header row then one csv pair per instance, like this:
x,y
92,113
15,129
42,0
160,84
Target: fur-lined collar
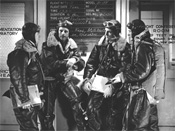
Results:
x,y
52,41
143,35
119,45
138,38
26,45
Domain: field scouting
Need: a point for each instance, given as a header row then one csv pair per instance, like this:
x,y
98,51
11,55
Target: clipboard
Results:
x,y
33,95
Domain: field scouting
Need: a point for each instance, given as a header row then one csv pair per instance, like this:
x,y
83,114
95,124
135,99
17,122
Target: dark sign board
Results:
x,y
86,15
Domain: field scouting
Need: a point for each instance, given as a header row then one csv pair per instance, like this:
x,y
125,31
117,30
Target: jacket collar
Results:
x,y
119,45
52,41
141,37
28,46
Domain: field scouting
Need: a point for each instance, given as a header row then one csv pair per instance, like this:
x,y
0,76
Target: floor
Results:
x,y
167,128
15,128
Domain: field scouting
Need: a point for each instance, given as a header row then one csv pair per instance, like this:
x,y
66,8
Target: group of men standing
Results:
x,y
134,75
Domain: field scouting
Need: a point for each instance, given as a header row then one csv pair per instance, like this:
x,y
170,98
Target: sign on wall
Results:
x,y
12,20
86,15
161,32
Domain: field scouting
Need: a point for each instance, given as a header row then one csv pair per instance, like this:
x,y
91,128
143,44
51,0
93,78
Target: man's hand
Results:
x,y
71,62
75,67
27,105
116,79
87,86
108,91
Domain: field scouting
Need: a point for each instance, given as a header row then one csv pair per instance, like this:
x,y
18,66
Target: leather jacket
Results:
x,y
54,58
24,68
143,60
148,69
109,58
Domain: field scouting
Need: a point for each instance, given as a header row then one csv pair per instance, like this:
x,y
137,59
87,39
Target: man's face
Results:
x,y
110,35
134,32
63,33
37,37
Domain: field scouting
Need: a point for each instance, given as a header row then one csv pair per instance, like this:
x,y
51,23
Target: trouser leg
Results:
x,y
139,111
117,109
93,110
26,119
46,114
74,94
66,109
153,120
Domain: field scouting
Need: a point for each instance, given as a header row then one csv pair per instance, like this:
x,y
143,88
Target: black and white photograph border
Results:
x,y
87,17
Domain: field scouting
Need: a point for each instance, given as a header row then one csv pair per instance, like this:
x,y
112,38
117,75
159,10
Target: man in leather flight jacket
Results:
x,y
107,59
60,57
147,71
25,70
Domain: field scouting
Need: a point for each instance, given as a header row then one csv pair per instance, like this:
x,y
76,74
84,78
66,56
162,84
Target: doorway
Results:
x,y
157,16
